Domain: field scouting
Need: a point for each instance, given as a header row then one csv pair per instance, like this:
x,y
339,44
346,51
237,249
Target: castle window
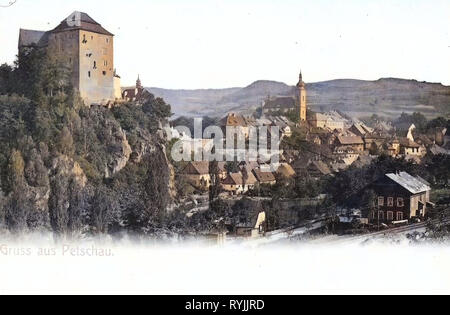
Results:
x,y
84,38
92,37
104,72
107,40
89,74
95,64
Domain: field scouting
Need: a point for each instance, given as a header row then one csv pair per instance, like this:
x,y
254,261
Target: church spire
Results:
x,y
300,80
138,83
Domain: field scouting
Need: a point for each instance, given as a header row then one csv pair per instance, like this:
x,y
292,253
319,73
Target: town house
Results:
x,y
197,174
400,197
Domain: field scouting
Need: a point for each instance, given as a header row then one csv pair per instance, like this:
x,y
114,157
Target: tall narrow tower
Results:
x,y
302,98
138,83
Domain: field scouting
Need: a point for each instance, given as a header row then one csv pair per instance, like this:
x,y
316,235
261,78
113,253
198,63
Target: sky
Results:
x,y
232,43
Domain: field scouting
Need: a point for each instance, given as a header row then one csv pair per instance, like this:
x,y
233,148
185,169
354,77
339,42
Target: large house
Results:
x,y
237,183
264,177
330,120
400,197
197,174
239,122
409,147
87,49
360,129
354,143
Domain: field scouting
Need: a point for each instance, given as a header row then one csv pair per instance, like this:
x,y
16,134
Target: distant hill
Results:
x,y
388,97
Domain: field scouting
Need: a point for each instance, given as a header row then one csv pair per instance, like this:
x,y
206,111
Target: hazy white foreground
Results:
x,y
105,267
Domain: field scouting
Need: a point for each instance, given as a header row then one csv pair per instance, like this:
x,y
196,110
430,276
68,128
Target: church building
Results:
x,y
134,94
284,104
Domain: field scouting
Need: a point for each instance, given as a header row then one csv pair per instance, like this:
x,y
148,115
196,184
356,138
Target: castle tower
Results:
x,y
87,49
302,98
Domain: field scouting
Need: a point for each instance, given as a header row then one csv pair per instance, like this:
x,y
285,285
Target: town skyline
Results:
x,y
221,55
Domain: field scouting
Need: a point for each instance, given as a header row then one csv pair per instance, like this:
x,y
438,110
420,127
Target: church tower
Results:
x,y
139,83
302,98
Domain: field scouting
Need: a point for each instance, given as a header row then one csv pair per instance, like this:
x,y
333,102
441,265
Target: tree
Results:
x,y
232,167
439,122
215,187
6,79
104,210
416,118
58,204
374,149
65,142
368,202
155,191
18,207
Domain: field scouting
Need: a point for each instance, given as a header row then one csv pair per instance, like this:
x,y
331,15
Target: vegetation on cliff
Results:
x,y
77,170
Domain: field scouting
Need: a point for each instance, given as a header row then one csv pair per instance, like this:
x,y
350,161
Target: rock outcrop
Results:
x,y
120,152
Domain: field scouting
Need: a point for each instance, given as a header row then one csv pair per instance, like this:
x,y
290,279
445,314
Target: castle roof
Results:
x,y
80,21
29,38
75,21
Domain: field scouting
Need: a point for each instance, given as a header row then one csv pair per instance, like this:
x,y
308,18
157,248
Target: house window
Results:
x,y
381,201
400,202
373,215
390,202
380,215
390,216
399,216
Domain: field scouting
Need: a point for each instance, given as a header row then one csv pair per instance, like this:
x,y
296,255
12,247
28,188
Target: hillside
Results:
x,y
387,97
